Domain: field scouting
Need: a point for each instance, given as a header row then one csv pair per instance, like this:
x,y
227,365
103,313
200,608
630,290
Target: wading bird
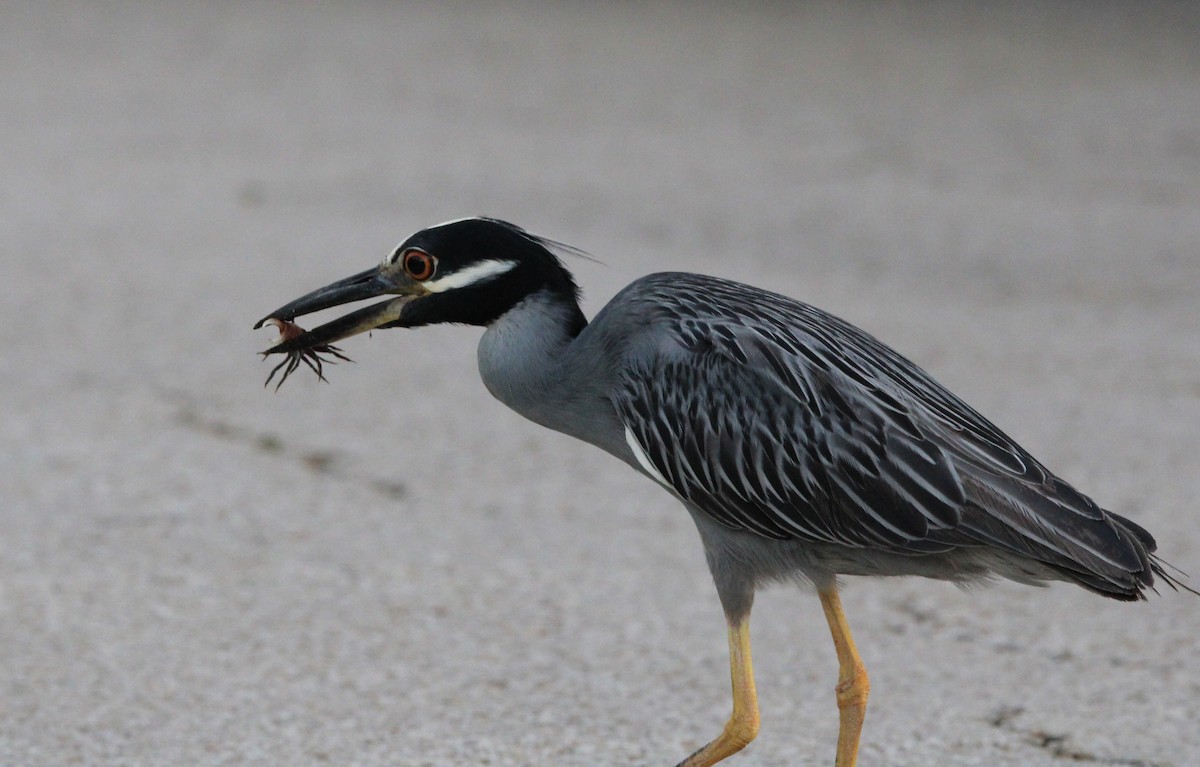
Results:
x,y
803,447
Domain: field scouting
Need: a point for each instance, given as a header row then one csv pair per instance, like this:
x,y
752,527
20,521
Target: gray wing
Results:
x,y
779,419
787,452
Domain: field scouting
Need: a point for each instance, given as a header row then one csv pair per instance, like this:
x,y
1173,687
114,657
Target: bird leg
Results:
x,y
742,726
853,685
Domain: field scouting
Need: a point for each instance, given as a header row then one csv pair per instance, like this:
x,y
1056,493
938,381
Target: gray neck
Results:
x,y
529,360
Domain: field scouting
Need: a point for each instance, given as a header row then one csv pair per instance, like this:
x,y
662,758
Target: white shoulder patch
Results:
x,y
644,460
471,275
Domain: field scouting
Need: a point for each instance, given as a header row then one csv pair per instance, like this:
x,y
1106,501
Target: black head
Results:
x,y
469,271
482,267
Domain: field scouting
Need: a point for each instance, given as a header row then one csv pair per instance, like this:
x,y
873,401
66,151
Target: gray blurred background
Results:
x,y
392,569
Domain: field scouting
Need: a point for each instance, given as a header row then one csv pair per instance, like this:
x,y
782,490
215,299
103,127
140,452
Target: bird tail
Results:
x,y
1068,534
1158,568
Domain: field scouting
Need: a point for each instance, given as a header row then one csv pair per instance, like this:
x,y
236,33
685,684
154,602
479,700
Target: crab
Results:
x,y
310,356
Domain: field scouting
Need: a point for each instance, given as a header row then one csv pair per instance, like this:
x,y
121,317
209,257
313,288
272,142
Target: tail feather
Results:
x,y
1158,568
1068,533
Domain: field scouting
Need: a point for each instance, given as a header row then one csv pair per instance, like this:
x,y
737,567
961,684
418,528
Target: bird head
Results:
x,y
470,271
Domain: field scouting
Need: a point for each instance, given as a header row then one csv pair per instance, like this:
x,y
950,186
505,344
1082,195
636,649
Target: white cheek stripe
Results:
x,y
484,270
644,459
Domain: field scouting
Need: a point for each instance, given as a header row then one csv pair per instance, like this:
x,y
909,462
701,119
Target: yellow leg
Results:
x,y
742,726
853,685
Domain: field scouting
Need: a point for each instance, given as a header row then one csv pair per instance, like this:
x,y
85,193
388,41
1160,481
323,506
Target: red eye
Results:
x,y
419,264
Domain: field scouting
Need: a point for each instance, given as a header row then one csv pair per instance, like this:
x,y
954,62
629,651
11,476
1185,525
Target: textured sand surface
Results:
x,y
392,569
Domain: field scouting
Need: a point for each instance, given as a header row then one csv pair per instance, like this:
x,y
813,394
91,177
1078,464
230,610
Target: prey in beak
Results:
x,y
310,356
315,347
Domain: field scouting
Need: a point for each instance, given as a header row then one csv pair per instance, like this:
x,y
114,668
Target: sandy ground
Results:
x,y
392,569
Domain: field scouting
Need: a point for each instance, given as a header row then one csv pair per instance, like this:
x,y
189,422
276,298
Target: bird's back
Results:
x,y
779,420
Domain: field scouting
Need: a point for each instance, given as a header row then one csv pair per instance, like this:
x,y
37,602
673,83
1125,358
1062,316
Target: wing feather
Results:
x,y
779,419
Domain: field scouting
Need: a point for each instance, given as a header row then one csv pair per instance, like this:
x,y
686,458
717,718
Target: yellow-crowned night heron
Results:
x,y
803,448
